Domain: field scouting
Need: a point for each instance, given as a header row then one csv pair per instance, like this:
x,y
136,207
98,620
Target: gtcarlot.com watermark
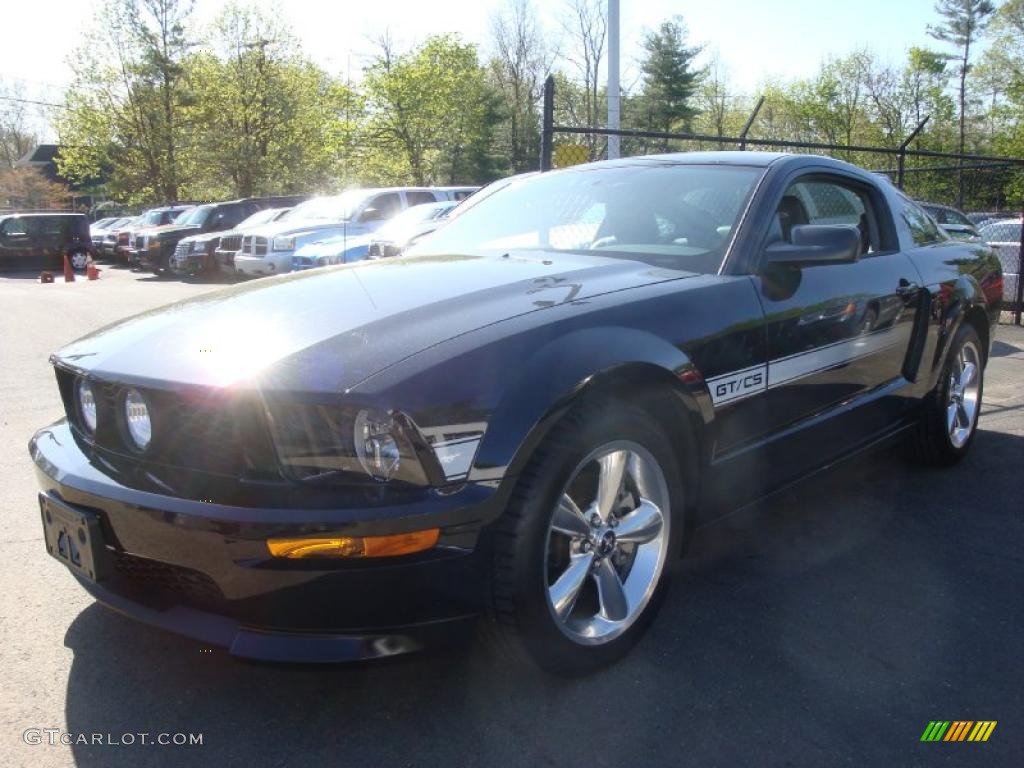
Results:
x,y
54,736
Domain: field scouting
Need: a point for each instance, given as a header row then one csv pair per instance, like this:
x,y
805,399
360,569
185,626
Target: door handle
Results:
x,y
907,288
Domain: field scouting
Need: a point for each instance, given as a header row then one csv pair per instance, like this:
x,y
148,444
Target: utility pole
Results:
x,y
613,78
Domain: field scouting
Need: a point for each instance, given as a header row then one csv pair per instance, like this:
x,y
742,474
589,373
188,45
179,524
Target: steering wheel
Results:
x,y
700,231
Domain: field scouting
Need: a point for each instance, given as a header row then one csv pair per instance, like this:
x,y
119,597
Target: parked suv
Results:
x,y
344,220
42,240
128,241
158,245
230,242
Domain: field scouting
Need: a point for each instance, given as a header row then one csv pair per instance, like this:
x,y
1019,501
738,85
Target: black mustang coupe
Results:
x,y
522,419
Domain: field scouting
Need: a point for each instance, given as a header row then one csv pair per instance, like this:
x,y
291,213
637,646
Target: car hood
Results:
x,y
172,229
326,330
332,246
203,237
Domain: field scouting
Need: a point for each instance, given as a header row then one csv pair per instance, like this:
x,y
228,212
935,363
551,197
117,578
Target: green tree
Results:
x,y
266,121
126,109
432,115
670,80
963,21
519,65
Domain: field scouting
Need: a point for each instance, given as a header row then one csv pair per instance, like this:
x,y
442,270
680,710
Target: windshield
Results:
x,y
673,216
337,208
152,218
260,217
195,217
416,215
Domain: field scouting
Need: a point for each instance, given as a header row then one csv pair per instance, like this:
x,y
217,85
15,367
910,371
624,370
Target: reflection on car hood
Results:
x,y
296,227
329,329
333,246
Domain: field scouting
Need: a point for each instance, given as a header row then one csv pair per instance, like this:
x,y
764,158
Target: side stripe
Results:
x,y
730,387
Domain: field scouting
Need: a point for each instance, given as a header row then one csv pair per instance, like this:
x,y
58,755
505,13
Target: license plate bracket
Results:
x,y
74,538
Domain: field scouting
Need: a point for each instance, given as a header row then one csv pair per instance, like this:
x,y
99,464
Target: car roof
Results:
x,y
40,213
726,157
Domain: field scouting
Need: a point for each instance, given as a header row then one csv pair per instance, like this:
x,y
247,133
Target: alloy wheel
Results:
x,y
607,543
964,388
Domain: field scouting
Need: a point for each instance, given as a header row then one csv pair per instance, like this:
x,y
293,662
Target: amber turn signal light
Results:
x,y
354,546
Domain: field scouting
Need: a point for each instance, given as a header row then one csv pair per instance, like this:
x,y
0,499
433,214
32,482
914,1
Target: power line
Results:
x,y
33,101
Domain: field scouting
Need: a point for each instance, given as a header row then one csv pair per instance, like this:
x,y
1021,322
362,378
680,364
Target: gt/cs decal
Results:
x,y
733,386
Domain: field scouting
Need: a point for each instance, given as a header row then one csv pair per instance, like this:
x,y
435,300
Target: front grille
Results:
x,y
172,582
247,244
182,249
231,243
140,242
259,246
210,432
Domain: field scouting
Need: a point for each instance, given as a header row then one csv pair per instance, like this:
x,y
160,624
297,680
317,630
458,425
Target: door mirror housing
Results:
x,y
815,245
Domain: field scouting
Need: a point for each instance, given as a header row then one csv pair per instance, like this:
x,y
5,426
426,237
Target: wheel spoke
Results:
x,y
610,593
609,482
951,417
967,376
641,525
566,589
962,419
568,518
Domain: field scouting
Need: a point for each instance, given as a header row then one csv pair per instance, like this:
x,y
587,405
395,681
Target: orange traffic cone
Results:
x,y
69,273
46,277
91,272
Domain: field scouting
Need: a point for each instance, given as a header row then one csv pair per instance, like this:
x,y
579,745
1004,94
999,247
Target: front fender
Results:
x,y
559,371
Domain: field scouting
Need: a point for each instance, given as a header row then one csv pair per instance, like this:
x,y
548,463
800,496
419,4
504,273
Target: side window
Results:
x,y
385,206
227,216
822,201
15,227
923,228
419,196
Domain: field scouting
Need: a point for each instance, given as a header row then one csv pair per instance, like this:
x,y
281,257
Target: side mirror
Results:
x,y
370,214
815,245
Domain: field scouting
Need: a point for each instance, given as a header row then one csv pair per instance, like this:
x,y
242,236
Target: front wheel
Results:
x,y
79,260
582,553
949,420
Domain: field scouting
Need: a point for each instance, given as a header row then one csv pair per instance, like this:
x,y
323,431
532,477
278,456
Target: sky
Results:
x,y
756,40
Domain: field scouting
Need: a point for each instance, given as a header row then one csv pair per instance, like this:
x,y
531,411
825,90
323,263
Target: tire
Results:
x,y
537,563
79,260
936,441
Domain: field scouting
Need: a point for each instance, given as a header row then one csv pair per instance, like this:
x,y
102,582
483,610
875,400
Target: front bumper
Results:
x,y
187,264
224,258
203,570
274,263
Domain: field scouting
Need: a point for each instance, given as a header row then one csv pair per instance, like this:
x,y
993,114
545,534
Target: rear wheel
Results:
x,y
582,554
949,420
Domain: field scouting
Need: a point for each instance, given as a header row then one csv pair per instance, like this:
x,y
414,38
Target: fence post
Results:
x,y
749,123
547,124
901,157
1019,298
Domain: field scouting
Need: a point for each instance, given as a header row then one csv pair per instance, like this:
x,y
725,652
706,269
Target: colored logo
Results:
x,y
958,730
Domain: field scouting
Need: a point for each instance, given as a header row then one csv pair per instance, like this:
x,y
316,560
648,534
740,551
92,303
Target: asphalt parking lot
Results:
x,y
825,627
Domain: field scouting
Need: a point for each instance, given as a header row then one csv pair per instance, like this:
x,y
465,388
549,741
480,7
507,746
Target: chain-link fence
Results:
x,y
943,181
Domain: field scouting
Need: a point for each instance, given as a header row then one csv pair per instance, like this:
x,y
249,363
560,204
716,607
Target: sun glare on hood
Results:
x,y
239,352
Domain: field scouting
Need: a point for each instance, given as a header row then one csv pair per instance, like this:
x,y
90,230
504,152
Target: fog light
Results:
x,y
136,415
86,405
354,546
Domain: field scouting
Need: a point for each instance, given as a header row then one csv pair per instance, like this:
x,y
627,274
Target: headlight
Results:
x,y
283,244
376,445
335,444
86,399
137,420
